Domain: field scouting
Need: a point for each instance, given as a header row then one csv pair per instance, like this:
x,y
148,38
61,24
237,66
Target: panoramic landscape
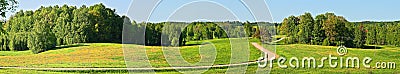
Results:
x,y
96,38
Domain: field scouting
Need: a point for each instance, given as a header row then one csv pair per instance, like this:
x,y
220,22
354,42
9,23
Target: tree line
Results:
x,y
178,33
48,27
330,29
382,33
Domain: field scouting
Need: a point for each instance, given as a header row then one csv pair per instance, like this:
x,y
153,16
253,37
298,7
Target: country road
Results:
x,y
270,53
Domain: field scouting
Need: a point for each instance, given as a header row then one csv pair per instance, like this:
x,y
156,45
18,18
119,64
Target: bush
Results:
x,y
40,42
326,42
316,41
290,40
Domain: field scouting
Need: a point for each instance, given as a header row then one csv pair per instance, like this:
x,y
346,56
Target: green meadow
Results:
x,y
110,55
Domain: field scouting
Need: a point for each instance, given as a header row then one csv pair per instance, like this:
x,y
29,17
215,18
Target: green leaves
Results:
x,y
382,33
359,36
47,27
325,29
41,41
42,38
329,29
7,6
306,24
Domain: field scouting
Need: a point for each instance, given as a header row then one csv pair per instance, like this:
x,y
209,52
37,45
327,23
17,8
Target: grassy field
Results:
x,y
106,55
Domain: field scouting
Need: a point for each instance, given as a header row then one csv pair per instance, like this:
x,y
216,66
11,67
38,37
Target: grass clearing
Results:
x,y
111,55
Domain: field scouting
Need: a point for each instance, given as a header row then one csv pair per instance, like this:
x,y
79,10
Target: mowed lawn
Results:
x,y
106,55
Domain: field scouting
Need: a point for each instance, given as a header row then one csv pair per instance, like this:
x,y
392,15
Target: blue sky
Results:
x,y
353,10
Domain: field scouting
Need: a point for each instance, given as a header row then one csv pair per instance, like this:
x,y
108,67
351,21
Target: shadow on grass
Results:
x,y
64,46
372,47
192,44
68,46
278,44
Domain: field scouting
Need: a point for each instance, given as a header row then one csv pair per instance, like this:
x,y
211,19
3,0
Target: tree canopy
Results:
x,y
47,27
330,29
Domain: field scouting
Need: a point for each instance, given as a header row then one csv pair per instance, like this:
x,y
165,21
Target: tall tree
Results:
x,y
329,26
290,28
371,34
306,24
360,35
68,24
336,29
42,39
317,32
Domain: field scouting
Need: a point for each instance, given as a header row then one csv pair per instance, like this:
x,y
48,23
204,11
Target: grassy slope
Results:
x,y
94,55
387,54
111,55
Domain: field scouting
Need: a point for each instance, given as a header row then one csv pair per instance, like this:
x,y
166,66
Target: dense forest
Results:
x,y
178,33
382,33
48,27
329,29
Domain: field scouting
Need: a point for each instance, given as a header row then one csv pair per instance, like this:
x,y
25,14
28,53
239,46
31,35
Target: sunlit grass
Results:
x,y
111,55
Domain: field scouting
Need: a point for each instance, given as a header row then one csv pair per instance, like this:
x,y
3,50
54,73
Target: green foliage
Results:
x,y
266,31
153,34
382,33
326,28
318,34
178,33
67,24
306,24
326,42
42,39
3,42
289,27
106,24
360,35
336,30
39,42
7,6
371,34
18,41
248,28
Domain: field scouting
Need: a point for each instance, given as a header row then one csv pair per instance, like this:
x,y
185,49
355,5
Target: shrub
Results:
x,y
326,42
290,40
316,41
40,42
